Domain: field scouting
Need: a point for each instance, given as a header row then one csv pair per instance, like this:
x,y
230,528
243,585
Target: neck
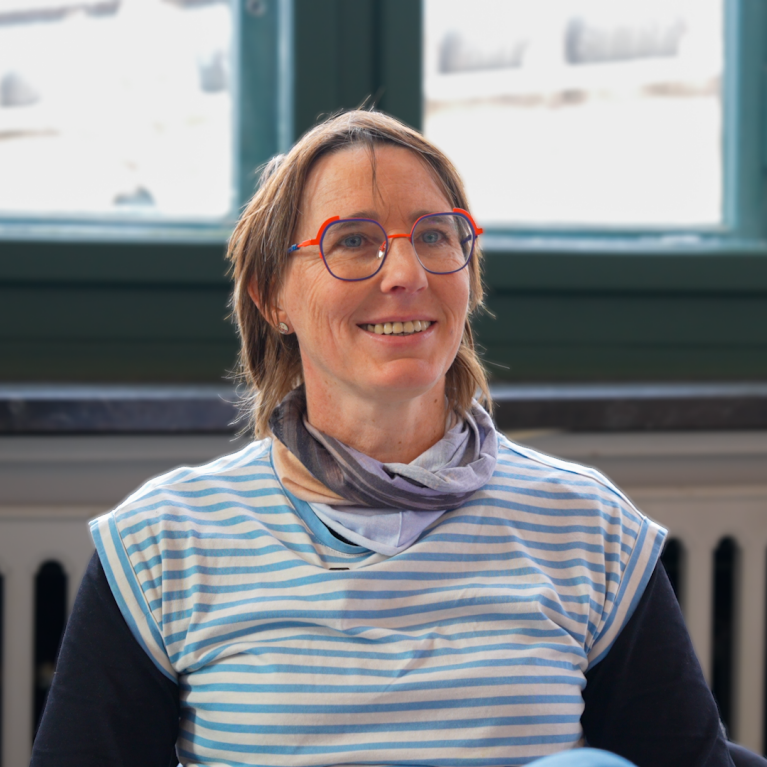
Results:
x,y
392,431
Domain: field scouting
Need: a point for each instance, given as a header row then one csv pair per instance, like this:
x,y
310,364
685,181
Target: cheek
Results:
x,y
314,302
457,298
297,293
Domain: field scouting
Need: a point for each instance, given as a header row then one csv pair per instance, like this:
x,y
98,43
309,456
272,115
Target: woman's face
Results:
x,y
331,317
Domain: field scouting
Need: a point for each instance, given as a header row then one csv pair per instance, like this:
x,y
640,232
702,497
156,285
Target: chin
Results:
x,y
415,379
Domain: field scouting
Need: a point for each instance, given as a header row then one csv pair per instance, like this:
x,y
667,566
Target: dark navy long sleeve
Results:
x,y
109,705
647,700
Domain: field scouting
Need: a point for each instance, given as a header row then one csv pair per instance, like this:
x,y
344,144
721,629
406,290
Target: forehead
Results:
x,y
371,179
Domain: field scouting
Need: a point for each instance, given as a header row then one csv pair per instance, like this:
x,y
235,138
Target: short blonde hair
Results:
x,y
269,362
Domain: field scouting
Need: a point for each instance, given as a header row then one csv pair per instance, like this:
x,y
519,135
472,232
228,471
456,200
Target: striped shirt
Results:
x,y
292,648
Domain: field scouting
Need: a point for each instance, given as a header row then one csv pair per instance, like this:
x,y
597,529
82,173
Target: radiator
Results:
x,y
703,487
28,538
699,522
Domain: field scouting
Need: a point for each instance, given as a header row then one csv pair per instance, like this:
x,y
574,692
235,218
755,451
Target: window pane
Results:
x,y
118,108
579,112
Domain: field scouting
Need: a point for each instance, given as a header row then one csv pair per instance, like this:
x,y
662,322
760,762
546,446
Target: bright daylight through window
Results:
x,y
116,109
604,113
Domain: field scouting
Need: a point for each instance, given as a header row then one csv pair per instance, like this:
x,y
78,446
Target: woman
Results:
x,y
386,579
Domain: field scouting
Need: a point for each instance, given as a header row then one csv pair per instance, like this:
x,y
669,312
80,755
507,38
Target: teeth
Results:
x,y
398,328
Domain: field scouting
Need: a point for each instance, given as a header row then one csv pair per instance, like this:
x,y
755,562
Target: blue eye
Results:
x,y
352,241
432,237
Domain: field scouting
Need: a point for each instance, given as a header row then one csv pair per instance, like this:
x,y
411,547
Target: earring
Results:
x,y
283,328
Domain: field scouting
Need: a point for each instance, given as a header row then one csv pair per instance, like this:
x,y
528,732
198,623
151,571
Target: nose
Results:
x,y
402,270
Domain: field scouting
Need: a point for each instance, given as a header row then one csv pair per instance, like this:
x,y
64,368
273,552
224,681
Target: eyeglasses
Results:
x,y
355,249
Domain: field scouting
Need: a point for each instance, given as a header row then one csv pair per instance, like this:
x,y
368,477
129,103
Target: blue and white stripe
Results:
x,y
468,648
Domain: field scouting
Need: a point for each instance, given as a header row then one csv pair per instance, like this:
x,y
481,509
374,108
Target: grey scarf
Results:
x,y
443,478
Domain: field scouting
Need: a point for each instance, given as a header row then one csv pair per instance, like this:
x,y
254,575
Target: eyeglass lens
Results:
x,y
355,249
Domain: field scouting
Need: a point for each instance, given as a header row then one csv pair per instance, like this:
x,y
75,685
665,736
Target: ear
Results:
x,y
276,316
253,293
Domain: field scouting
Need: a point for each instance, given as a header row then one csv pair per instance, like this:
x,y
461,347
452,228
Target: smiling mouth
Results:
x,y
398,328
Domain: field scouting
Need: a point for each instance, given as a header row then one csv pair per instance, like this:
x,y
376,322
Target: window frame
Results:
x,y
122,308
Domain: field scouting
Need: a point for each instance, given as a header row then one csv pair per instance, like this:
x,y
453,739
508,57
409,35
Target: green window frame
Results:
x,y
576,306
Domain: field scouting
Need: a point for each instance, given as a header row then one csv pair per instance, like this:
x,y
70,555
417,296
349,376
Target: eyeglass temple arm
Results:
x,y
316,240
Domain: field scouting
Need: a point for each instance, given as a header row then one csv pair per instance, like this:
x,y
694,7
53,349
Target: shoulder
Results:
x,y
523,468
191,495
571,500
229,472
227,469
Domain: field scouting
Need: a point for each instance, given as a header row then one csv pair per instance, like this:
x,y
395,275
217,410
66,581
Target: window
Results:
x,y
130,297
129,114
594,116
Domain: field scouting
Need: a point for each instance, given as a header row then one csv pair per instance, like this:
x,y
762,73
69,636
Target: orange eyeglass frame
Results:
x,y
326,224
